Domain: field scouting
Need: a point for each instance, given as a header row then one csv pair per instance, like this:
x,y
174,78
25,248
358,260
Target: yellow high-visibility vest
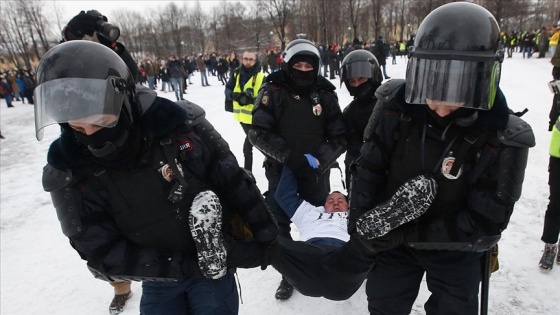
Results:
x,y
554,149
244,114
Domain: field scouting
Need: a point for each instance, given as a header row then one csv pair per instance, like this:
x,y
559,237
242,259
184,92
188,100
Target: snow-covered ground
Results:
x,y
42,274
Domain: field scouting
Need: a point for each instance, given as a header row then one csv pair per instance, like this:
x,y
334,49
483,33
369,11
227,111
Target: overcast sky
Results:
x,y
69,8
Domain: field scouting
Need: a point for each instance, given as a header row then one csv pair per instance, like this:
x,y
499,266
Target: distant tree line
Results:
x,y
28,28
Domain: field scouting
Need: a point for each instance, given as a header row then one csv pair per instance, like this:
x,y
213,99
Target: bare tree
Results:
x,y
280,13
37,24
198,22
28,30
354,8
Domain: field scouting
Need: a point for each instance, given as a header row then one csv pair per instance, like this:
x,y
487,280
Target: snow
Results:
x,y
42,274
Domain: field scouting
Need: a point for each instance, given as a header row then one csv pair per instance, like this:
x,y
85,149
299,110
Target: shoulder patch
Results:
x,y
264,99
185,146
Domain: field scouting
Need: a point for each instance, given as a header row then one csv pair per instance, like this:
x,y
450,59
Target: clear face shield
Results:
x,y
468,81
91,101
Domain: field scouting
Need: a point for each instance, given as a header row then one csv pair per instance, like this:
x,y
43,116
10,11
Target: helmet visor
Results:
x,y
91,101
470,84
359,69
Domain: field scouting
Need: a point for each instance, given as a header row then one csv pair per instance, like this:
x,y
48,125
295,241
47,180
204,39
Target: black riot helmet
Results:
x,y
361,64
456,57
297,51
300,49
83,81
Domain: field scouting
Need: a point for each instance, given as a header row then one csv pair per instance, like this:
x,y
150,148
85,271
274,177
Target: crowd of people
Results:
x,y
147,190
17,85
529,42
160,73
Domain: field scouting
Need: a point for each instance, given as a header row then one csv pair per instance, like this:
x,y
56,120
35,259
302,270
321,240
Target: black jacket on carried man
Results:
x,y
123,217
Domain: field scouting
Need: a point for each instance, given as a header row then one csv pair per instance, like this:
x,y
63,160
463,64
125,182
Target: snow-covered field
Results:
x,y
42,274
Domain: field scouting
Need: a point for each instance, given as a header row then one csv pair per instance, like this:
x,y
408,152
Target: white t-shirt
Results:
x,y
314,222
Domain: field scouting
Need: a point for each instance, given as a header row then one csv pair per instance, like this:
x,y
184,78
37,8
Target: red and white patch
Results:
x,y
185,146
317,110
167,171
446,166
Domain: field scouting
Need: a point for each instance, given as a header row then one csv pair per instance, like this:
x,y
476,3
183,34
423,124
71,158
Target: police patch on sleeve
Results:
x,y
264,99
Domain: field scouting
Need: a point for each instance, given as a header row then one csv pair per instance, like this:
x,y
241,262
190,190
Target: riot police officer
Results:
x,y
448,119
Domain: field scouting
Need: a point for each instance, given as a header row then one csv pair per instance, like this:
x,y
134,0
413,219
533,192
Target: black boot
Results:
x,y
409,202
118,303
284,291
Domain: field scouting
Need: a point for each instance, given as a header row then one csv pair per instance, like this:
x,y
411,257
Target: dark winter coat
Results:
x,y
379,50
150,238
5,89
175,69
163,74
356,116
470,206
273,60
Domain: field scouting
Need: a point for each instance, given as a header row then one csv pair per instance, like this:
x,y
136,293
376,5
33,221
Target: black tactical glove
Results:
x,y
80,25
271,251
229,106
394,238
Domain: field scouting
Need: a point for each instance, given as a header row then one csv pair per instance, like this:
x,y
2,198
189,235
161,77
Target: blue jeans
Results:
x,y
164,85
177,84
8,98
190,297
151,82
528,50
204,78
327,242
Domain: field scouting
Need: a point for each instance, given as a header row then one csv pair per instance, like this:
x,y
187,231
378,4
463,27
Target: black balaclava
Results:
x,y
111,144
462,117
365,89
302,81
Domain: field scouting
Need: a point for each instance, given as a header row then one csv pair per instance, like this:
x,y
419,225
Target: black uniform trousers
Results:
x,y
552,217
452,277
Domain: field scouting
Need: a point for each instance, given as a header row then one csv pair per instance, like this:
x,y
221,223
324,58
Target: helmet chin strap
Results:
x,y
103,150
106,141
467,120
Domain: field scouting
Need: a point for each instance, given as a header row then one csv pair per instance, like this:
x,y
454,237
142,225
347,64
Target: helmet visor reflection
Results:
x,y
77,99
471,83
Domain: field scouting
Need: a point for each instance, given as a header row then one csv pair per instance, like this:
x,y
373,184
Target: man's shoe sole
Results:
x,y
205,222
408,203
